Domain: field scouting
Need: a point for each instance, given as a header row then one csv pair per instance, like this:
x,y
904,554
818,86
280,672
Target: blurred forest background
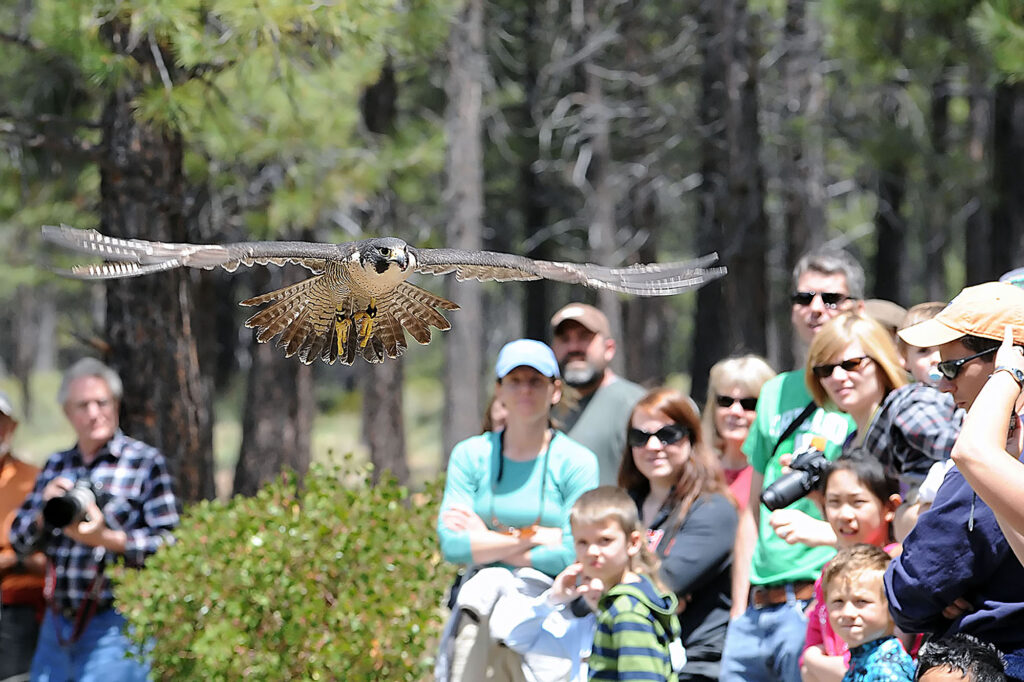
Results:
x,y
606,131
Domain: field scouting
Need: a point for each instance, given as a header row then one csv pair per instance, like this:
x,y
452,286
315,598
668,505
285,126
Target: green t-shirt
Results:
x,y
781,401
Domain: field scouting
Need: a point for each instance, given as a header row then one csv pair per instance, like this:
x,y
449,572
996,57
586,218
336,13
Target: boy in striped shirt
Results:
x,y
637,636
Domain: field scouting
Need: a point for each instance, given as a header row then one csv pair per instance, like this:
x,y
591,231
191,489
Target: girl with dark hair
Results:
x,y
684,503
860,501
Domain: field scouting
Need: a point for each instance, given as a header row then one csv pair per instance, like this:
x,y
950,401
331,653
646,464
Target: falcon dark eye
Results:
x,y
385,251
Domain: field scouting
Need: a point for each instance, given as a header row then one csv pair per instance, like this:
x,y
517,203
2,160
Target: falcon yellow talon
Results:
x,y
343,326
365,322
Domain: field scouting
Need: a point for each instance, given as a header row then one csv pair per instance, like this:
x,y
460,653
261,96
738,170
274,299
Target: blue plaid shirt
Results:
x,y
142,504
880,660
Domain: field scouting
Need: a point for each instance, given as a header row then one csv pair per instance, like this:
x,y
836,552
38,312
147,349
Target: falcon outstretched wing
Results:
x,y
134,257
654,279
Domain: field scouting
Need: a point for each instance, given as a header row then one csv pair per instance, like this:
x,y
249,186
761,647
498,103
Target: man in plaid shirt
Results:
x,y
82,634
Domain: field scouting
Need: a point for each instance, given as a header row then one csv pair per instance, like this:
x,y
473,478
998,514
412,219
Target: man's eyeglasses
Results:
x,y
831,299
849,365
951,368
727,401
666,435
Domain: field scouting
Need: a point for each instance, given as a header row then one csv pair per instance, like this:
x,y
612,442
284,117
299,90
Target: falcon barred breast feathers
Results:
x,y
358,300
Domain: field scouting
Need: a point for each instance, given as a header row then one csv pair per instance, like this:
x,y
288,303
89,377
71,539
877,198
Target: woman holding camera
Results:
x,y
678,486
909,427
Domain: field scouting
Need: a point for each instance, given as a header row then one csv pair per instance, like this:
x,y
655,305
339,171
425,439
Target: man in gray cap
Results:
x,y
21,576
581,339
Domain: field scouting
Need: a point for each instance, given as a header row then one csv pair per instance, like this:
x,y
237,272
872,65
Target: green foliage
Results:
x,y
333,578
999,25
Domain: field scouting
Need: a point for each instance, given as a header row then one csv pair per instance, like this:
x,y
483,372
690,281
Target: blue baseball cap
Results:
x,y
526,353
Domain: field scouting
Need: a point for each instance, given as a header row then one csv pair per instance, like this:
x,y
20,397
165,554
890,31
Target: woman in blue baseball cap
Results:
x,y
507,501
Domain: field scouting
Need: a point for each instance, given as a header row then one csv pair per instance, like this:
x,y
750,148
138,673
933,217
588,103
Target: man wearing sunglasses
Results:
x,y
779,554
957,554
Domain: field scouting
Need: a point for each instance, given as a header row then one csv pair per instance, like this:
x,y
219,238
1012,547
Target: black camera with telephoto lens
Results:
x,y
73,505
807,467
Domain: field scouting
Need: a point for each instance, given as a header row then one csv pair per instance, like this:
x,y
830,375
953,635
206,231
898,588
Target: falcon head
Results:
x,y
384,253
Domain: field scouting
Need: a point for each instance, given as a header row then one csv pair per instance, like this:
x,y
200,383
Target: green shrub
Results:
x,y
320,581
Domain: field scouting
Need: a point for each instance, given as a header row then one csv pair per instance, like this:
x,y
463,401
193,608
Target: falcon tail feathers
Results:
x,y
316,321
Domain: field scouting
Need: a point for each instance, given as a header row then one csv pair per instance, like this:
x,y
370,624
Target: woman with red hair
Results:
x,y
684,502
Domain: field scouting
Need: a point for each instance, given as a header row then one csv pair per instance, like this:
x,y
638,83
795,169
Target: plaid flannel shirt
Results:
x,y
915,427
142,504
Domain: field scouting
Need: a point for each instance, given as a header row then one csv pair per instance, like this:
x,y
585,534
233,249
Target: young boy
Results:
x,y
633,612
859,614
920,362
960,658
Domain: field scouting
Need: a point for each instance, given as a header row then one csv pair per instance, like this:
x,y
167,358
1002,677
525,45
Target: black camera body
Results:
x,y
72,506
807,467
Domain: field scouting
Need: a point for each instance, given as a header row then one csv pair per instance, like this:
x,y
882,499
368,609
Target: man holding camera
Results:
x,y
777,554
116,498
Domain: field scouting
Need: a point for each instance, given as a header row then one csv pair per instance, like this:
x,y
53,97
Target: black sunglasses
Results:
x,y
666,435
831,299
850,365
727,401
951,368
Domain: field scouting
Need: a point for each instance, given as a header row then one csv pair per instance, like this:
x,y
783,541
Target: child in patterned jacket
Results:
x,y
859,613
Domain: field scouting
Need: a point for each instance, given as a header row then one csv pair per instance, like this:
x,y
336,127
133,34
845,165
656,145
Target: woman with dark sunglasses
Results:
x,y
677,483
852,365
733,387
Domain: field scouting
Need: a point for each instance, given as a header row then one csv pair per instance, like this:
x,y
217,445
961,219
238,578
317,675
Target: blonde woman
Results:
x,y
852,365
733,387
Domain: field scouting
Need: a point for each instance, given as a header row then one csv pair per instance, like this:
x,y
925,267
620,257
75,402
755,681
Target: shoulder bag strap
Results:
x,y
794,425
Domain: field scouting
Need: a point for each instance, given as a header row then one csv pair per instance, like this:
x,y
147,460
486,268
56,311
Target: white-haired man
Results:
x,y
110,497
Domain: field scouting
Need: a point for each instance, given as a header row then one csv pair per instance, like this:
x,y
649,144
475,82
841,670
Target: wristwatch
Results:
x,y
1017,374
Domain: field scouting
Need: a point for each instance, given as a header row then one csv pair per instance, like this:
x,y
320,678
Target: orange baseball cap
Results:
x,y
983,310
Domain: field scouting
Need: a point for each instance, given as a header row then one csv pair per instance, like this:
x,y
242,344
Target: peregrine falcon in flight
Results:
x,y
358,300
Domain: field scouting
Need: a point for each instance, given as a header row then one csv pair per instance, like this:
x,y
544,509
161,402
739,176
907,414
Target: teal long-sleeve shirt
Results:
x,y
515,500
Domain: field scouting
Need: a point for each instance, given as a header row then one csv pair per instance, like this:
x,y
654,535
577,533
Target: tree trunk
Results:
x,y
537,306
464,192
27,334
647,319
731,197
277,419
934,234
890,225
600,189
383,424
802,155
1008,179
978,235
802,174
166,401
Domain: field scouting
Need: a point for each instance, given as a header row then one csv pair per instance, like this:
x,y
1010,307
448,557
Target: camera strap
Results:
x,y
86,608
794,425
